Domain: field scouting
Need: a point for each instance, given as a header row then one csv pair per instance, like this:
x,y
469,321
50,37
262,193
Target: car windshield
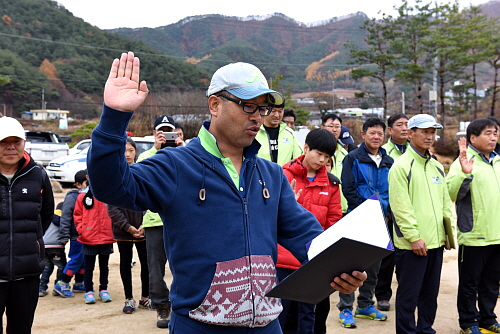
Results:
x,y
84,151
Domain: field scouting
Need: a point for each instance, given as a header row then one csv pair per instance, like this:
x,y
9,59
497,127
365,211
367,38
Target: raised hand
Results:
x,y
462,157
123,90
293,185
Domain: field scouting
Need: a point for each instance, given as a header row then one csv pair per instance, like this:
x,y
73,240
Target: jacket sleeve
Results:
x,y
458,183
349,183
138,187
47,210
118,218
78,213
67,217
401,204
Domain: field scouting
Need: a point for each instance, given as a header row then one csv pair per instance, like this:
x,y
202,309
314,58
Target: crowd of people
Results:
x,y
233,211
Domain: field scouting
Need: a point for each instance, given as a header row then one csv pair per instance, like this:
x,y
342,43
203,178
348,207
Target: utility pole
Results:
x,y
403,102
333,96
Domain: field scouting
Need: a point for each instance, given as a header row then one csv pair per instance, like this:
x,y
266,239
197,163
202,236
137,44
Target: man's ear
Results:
x,y
410,134
214,105
306,148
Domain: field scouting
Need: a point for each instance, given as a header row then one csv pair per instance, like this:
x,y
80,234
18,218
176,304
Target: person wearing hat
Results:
x,y
26,211
162,125
224,209
346,140
278,142
420,202
473,183
159,293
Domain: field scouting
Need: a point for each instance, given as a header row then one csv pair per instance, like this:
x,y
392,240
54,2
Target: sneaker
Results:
x,y
383,305
495,328
147,304
370,312
54,292
129,307
163,315
346,320
42,292
470,330
79,287
89,297
63,289
104,296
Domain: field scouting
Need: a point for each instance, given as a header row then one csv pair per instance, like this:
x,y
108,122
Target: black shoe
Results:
x,y
383,305
163,318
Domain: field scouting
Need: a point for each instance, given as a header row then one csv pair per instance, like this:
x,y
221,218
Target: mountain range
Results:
x,y
305,56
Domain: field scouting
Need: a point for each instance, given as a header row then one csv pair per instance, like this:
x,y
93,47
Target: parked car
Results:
x,y
80,146
43,146
63,169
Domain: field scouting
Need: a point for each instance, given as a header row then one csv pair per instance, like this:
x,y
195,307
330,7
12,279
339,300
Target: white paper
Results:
x,y
366,223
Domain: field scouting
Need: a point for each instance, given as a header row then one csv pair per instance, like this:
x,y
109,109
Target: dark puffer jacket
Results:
x,y
26,210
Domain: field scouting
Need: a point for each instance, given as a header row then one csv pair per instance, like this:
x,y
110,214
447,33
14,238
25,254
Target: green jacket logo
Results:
x,y
436,180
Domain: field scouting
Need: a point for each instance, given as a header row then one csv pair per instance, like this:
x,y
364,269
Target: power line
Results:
x,y
184,58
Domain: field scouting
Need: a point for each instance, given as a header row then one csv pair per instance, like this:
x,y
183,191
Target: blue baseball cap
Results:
x,y
423,121
243,80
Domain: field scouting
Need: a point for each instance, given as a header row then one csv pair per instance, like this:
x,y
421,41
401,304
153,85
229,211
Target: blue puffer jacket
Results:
x,y
220,240
361,178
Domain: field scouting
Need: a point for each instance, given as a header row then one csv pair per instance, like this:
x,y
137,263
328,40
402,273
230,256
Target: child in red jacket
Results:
x,y
94,227
318,192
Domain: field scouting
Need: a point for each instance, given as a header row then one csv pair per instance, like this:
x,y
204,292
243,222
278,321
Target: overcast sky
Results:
x,y
154,13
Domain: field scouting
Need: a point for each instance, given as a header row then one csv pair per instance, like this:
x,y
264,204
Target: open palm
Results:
x,y
464,162
123,90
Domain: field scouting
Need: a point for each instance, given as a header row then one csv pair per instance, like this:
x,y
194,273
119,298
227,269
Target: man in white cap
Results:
x,y
420,202
223,209
26,210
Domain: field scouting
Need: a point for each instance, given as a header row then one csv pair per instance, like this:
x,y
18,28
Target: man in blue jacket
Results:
x,y
365,173
224,210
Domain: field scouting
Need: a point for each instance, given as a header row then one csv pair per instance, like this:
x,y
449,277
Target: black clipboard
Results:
x,y
448,230
311,282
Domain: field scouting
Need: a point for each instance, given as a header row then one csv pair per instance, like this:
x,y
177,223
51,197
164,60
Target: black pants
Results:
x,y
18,299
478,277
418,286
383,290
322,310
89,272
126,252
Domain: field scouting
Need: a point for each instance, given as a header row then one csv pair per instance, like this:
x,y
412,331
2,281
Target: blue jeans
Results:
x,y
53,257
157,260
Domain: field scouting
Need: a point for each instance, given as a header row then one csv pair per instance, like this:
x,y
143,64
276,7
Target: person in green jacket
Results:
x,y
474,185
278,142
397,127
419,201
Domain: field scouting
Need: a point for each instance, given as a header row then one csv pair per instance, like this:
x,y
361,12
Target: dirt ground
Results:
x,y
56,315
